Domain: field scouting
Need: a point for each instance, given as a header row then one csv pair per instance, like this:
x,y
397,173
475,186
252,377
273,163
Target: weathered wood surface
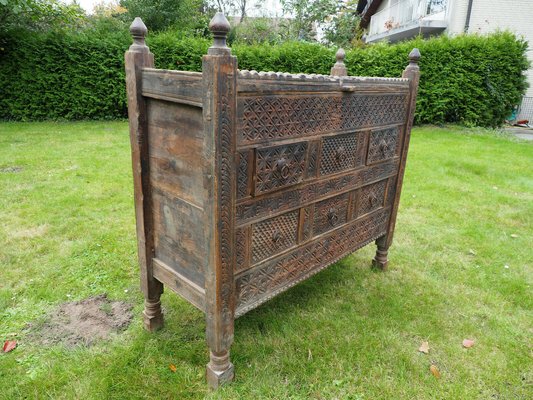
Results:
x,y
247,183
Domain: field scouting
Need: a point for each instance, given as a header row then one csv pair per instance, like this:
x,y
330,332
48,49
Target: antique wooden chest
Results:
x,y
247,183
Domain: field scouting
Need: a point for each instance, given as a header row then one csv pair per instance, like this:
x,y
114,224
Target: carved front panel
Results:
x,y
279,166
371,197
330,213
270,117
274,235
295,197
263,118
373,110
261,284
339,153
384,144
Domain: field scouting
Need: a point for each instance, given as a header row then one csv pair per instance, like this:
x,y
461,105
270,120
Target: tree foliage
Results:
x,y
39,15
158,15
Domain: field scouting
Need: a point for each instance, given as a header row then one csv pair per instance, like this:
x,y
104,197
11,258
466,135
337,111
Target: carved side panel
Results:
x,y
384,144
273,235
263,283
279,166
330,213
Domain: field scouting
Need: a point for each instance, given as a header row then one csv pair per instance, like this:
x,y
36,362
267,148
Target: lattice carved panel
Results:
x,y
273,235
338,153
383,144
264,118
371,197
330,213
279,166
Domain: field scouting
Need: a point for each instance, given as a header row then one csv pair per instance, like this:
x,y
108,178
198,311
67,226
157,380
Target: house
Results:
x,y
396,20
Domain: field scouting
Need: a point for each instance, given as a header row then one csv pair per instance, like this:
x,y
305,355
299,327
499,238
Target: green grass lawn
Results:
x,y
67,232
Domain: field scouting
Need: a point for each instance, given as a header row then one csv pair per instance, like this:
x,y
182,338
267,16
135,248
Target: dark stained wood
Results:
x,y
175,86
136,58
180,284
247,183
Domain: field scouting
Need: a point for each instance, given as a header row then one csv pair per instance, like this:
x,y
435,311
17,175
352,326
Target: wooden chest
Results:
x,y
247,183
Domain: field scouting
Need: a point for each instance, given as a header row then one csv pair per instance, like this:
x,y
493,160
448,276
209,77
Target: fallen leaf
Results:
x,y
172,367
424,348
467,343
514,235
309,355
435,371
9,345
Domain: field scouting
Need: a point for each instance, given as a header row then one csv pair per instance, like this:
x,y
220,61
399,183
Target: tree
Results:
x,y
159,15
342,27
306,15
39,14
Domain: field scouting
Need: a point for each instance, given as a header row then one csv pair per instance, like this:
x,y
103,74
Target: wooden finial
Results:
x,y
412,71
138,31
220,27
414,56
339,69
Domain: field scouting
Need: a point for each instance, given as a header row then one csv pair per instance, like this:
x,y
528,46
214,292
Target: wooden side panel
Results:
x,y
178,235
176,86
176,175
176,139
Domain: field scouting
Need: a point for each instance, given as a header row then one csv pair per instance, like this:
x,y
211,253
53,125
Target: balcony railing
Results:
x,y
404,12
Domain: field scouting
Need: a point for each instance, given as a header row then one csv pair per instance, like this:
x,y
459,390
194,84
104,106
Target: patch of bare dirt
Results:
x,y
83,322
10,170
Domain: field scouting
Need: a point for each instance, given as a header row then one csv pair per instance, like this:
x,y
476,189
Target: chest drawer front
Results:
x,y
339,153
274,235
330,213
371,197
384,144
279,166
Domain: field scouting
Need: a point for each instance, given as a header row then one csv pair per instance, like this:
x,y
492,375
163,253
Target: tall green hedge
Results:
x,y
466,79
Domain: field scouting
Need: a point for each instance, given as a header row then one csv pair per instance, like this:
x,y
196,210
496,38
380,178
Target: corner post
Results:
x,y
411,72
219,70
339,69
138,57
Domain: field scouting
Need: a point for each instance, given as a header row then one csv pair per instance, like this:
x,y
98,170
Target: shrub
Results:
x,y
467,79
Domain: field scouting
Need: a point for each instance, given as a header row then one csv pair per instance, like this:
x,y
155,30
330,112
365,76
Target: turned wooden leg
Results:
x,y
152,314
220,370
380,259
